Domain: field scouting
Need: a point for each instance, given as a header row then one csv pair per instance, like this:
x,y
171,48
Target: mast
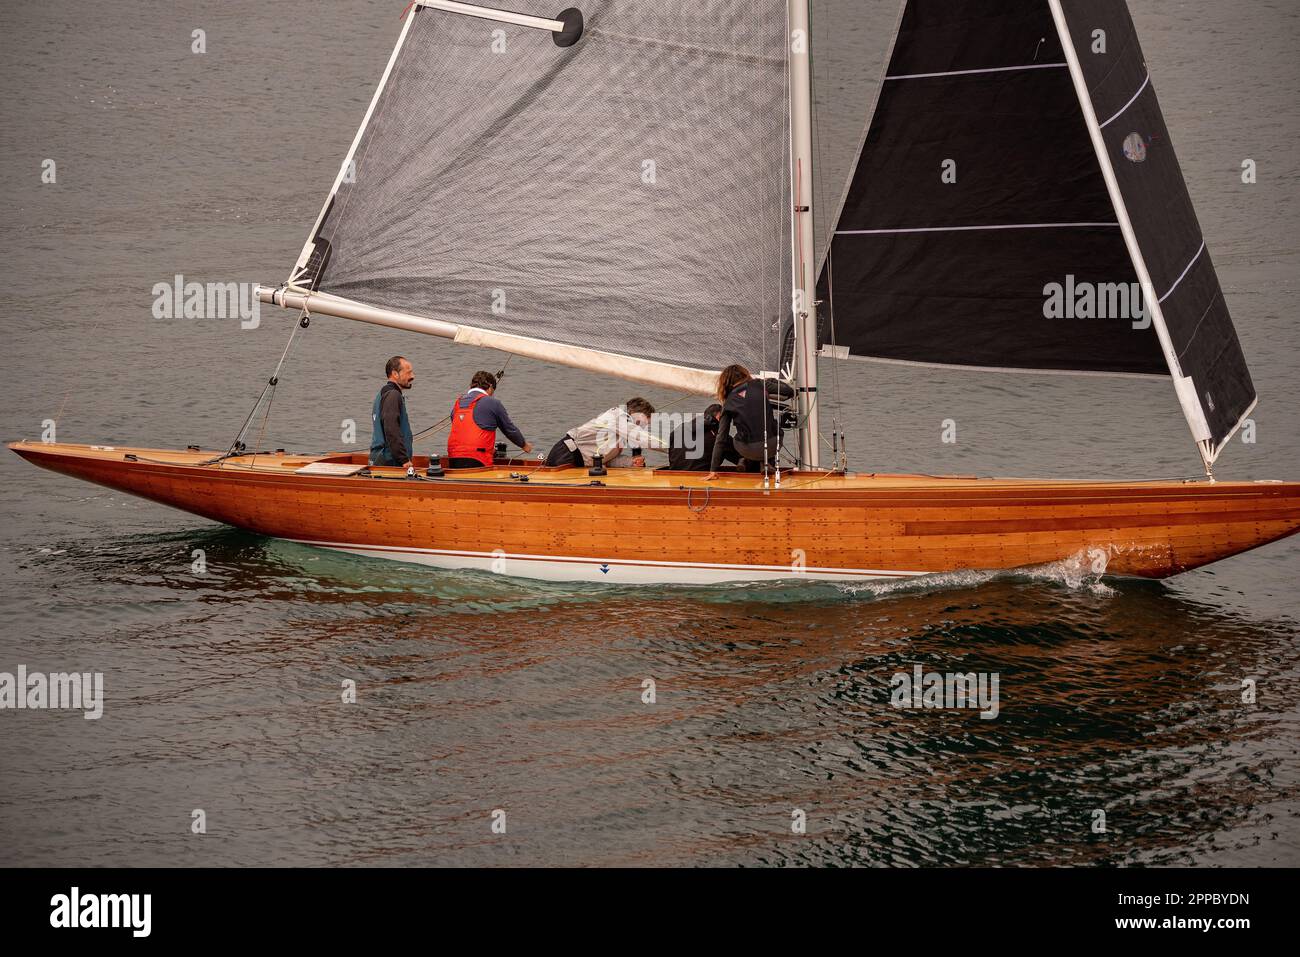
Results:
x,y
803,258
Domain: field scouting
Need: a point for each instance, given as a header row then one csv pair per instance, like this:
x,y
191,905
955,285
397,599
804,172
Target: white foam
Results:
x,y
1080,572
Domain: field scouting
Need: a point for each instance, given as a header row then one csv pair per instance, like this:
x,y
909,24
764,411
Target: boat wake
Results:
x,y
1081,572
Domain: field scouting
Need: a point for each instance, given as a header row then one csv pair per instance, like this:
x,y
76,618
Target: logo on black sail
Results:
x,y
1135,148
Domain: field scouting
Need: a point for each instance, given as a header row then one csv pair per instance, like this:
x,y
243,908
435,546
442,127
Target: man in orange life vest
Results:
x,y
475,417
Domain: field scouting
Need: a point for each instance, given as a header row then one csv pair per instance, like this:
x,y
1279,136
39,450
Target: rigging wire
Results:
x,y
843,462
237,446
90,337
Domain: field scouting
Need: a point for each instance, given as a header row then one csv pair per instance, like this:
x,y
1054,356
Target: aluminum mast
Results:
x,y
803,258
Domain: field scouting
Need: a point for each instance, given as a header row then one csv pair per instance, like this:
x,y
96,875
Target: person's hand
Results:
x,y
410,465
711,476
528,447
638,462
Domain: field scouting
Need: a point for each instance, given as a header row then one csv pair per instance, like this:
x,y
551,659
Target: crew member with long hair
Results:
x,y
748,405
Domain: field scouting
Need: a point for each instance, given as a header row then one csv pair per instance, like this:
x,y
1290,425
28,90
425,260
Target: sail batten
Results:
x,y
960,229
992,69
1146,81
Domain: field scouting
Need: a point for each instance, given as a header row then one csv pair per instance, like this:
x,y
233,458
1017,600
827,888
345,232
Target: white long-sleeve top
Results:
x,y
613,429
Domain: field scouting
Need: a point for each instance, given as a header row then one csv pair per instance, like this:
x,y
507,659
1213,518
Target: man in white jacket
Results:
x,y
612,435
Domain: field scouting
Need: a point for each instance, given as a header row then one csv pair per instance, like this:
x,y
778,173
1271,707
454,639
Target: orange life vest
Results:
x,y
467,440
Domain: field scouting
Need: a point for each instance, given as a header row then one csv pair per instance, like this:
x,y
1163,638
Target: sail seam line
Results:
x,y
1197,328
958,229
741,56
994,69
1128,104
1185,272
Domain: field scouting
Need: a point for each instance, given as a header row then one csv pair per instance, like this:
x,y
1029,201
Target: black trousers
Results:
x,y
560,455
465,464
751,454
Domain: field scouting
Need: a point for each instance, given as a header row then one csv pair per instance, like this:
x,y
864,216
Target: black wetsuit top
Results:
x,y
677,451
749,408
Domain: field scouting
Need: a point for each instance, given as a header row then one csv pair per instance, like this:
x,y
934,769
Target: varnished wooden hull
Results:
x,y
642,526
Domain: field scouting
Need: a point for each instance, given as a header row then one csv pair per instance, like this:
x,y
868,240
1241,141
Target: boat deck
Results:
x,y
280,462
649,526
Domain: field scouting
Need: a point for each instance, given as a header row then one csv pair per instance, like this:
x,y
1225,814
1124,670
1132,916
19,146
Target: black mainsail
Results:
x,y
1016,189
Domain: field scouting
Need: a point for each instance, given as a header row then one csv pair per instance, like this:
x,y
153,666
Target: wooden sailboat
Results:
x,y
523,182
637,525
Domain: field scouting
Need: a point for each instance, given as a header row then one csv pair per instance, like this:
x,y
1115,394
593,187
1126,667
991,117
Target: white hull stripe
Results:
x,y
996,69
962,229
1128,104
397,551
1185,272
